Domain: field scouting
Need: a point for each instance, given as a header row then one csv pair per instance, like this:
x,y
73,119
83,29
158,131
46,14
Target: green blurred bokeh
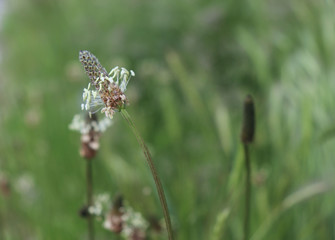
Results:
x,y
195,61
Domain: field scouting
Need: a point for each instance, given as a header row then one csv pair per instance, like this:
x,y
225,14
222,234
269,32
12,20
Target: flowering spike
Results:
x,y
248,127
111,91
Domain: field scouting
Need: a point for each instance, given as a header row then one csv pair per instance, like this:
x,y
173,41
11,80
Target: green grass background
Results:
x,y
195,61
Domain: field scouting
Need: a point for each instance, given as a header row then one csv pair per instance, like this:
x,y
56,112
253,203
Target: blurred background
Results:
x,y
195,61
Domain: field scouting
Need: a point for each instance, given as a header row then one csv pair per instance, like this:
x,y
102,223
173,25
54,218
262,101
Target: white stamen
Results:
x,y
89,99
85,94
113,71
94,93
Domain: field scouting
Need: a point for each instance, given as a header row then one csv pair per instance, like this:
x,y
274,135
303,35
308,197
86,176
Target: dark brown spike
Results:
x,y
248,127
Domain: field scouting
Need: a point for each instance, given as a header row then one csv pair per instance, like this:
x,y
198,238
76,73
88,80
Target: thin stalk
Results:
x,y
2,227
158,184
247,192
89,188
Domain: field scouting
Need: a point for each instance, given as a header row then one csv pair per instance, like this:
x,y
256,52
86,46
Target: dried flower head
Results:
x,y
114,221
109,87
248,127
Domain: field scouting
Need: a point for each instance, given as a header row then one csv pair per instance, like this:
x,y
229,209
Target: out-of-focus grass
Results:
x,y
194,63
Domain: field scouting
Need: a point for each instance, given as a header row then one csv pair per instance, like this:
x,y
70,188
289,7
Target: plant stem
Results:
x,y
2,227
89,185
247,192
158,184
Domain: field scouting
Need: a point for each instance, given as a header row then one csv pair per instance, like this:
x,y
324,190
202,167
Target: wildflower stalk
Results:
x,y
89,188
90,129
247,191
109,94
247,137
158,184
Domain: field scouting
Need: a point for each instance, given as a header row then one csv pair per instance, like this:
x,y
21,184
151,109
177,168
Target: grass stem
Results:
x,y
89,185
158,184
247,192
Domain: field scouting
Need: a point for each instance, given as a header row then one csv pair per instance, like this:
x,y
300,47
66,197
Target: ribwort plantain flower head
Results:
x,y
248,126
90,129
109,87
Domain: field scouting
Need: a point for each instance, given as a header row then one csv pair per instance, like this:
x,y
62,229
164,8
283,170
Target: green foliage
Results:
x,y
194,61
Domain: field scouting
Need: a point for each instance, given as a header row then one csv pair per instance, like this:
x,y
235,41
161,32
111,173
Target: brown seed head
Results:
x,y
248,127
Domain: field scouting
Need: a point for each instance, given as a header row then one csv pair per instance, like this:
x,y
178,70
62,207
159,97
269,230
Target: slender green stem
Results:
x,y
2,227
159,187
89,186
247,192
